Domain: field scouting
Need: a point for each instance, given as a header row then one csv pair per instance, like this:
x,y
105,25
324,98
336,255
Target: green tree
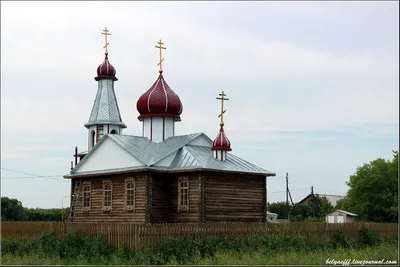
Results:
x,y
279,208
373,193
12,210
315,210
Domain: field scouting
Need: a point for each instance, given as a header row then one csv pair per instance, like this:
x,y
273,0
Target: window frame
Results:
x,y
105,184
89,192
183,206
128,181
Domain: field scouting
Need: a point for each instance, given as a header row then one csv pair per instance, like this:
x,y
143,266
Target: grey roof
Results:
x,y
343,211
348,213
105,108
185,156
332,199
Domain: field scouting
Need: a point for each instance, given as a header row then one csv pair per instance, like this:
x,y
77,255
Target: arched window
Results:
x,y
183,194
92,138
130,193
113,131
107,196
86,197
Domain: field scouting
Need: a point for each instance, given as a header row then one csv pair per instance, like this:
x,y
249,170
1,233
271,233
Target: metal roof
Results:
x,y
187,157
348,213
105,108
343,211
332,199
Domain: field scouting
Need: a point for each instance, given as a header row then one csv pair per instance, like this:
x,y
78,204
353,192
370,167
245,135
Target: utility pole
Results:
x,y
287,194
313,201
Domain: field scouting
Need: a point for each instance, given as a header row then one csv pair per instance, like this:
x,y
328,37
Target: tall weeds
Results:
x,y
75,248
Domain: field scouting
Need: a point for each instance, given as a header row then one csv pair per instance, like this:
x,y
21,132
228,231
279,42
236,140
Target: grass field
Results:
x,y
384,251
74,249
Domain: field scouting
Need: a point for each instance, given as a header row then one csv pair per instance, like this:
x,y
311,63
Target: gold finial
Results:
x,y
160,46
105,32
222,107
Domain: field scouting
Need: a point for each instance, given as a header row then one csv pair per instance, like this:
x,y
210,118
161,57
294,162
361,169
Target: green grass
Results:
x,y
387,251
281,249
384,251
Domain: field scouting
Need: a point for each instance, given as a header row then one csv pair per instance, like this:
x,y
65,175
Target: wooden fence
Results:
x,y
140,235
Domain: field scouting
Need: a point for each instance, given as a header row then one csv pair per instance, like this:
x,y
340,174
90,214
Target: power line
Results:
x,y
35,176
30,173
29,177
284,191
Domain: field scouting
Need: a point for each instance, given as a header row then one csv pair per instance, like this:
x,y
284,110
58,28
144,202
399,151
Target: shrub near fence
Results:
x,y
148,235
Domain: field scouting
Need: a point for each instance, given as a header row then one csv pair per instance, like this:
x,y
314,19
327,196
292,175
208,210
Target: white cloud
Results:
x,y
277,86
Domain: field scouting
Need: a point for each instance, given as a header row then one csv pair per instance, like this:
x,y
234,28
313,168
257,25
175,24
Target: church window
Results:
x,y
100,132
113,131
130,193
107,201
86,196
92,138
183,194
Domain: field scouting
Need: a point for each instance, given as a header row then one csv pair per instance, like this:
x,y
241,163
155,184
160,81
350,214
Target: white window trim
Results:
x,y
84,184
107,208
130,207
183,207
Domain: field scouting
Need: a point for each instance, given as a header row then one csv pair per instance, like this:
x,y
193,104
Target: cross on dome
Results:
x,y
160,46
105,32
106,70
222,107
160,100
221,143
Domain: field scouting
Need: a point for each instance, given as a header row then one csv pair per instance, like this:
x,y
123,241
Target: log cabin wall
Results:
x,y
234,197
118,212
165,198
193,213
161,203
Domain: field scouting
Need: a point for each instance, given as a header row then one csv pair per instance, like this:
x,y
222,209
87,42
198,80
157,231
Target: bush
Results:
x,y
339,239
73,248
48,243
368,238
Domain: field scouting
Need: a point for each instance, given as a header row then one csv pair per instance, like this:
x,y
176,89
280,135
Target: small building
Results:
x,y
271,216
340,216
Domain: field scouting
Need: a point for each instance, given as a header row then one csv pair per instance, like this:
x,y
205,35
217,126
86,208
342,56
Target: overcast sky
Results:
x,y
313,86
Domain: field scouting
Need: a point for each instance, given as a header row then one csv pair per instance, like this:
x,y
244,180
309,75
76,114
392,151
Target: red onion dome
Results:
x,y
221,142
159,101
106,70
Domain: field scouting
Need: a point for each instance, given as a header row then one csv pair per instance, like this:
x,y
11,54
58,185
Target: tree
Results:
x,y
12,210
373,193
279,208
315,210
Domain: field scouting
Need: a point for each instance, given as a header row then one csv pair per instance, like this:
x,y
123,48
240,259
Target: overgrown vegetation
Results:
x,y
12,210
372,195
283,249
374,191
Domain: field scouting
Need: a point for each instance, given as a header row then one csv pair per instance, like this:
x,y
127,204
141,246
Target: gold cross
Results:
x,y
222,107
160,46
105,32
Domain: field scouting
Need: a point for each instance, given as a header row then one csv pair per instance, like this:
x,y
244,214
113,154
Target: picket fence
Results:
x,y
148,235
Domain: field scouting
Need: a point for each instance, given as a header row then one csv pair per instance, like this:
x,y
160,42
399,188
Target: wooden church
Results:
x,y
159,177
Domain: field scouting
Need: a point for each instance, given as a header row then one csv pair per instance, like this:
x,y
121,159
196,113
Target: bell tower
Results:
x,y
105,116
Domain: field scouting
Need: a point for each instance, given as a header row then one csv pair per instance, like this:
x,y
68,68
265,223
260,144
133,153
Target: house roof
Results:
x,y
345,212
182,156
332,199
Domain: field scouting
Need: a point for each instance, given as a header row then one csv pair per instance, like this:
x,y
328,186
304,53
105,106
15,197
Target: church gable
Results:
x,y
166,162
105,156
201,140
